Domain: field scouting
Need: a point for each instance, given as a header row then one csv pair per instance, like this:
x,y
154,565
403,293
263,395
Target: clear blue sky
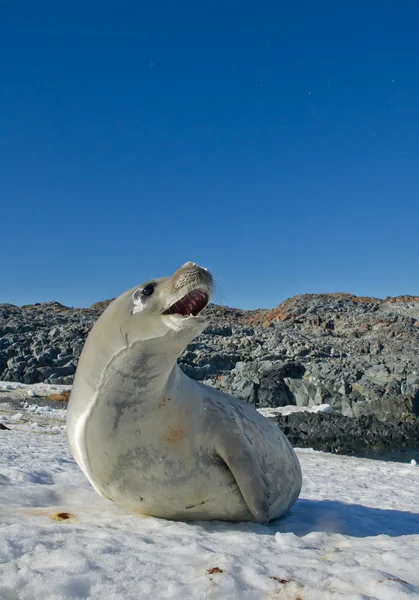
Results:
x,y
276,143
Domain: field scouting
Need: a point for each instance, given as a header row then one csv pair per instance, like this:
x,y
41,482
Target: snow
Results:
x,y
353,533
289,409
33,389
27,415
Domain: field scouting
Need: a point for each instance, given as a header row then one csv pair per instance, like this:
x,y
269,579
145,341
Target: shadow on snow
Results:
x,y
330,516
356,520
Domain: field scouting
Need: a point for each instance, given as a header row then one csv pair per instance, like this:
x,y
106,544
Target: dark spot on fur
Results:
x,y
176,434
193,505
163,401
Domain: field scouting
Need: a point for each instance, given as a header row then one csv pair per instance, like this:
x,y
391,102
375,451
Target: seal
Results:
x,y
159,443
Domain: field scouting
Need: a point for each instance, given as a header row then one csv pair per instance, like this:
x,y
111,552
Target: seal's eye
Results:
x,y
148,290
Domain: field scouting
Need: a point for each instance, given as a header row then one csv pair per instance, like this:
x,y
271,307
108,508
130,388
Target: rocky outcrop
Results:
x,y
360,355
42,342
345,435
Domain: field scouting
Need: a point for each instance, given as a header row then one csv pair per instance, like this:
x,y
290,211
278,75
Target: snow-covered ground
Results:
x,y
33,389
354,533
23,407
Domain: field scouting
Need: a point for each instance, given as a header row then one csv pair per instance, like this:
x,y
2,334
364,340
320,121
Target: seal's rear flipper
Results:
x,y
249,474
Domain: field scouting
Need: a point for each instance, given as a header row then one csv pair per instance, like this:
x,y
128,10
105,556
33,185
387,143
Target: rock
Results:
x,y
224,330
360,355
331,432
30,376
28,342
377,374
261,383
66,370
45,357
44,373
302,392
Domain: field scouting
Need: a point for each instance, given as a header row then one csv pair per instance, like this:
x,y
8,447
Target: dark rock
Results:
x,y
360,355
336,433
224,330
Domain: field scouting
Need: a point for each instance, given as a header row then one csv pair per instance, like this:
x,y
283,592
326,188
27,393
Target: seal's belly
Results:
x,y
163,467
172,488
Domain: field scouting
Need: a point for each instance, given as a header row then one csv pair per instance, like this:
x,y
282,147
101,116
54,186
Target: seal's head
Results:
x,y
172,305
160,317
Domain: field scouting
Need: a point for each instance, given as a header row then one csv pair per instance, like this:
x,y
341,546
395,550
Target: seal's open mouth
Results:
x,y
191,304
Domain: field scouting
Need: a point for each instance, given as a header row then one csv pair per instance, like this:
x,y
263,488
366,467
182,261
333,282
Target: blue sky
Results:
x,y
275,143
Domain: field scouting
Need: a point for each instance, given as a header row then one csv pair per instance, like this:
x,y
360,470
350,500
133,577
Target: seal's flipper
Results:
x,y
248,471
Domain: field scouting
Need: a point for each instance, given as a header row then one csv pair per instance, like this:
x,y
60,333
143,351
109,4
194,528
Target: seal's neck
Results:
x,y
142,367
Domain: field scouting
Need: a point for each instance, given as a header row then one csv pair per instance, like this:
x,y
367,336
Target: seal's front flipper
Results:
x,y
248,471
